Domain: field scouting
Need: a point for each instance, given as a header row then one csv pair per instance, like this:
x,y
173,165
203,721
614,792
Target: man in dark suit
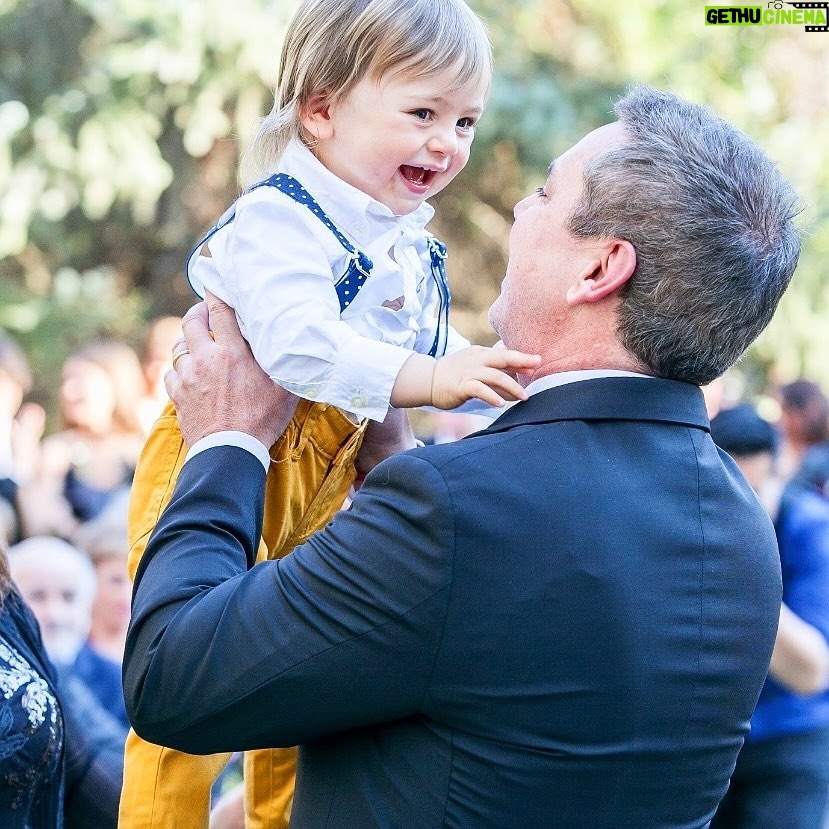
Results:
x,y
562,621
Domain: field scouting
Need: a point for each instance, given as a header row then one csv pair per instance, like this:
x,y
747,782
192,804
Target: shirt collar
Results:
x,y
550,381
352,210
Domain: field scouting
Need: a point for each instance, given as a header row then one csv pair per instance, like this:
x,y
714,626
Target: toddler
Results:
x,y
342,295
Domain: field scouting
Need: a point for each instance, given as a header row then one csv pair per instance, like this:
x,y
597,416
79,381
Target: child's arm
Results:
x,y
475,372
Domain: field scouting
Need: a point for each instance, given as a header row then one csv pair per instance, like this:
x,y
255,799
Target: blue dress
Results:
x,y
31,725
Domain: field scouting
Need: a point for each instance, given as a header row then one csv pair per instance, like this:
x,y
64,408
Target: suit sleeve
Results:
x,y
342,633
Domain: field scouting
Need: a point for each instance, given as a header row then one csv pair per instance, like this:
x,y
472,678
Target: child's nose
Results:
x,y
444,141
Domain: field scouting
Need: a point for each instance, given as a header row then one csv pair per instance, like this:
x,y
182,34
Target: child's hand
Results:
x,y
484,373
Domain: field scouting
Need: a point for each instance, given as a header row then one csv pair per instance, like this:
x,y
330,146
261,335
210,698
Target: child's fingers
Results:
x,y
480,390
504,385
510,359
493,387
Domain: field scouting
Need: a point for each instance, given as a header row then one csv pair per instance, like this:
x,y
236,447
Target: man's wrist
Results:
x,y
231,438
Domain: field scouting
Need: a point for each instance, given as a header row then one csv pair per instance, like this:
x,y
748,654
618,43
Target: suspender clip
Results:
x,y
362,263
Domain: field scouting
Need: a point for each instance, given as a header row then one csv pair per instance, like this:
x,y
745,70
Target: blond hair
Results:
x,y
331,45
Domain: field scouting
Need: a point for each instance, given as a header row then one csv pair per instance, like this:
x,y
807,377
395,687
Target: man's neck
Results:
x,y
561,364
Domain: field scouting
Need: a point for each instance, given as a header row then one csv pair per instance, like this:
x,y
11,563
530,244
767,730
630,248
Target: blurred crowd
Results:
x,y
63,513
63,527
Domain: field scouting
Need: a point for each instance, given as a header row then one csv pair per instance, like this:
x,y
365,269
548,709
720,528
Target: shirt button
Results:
x,y
358,401
312,392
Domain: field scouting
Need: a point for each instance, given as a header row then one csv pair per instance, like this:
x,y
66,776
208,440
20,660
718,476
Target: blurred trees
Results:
x,y
120,122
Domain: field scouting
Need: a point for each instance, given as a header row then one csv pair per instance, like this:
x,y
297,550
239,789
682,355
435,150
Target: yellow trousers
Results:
x,y
312,468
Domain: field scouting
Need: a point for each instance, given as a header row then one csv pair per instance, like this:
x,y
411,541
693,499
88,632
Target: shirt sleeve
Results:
x,y
278,277
232,438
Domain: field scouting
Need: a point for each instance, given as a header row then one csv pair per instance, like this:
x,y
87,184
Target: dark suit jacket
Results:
x,y
562,621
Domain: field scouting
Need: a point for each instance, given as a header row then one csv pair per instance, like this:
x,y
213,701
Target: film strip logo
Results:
x,y
823,6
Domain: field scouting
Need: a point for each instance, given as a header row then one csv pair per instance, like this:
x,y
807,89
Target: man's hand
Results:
x,y
216,385
382,440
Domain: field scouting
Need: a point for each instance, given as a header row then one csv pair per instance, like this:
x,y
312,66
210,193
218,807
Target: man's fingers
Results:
x,y
171,383
223,322
194,325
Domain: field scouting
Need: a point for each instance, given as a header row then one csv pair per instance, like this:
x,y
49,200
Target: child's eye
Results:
x,y
466,123
539,191
422,114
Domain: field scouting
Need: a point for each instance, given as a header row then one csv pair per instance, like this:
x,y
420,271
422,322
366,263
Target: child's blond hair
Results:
x,y
333,44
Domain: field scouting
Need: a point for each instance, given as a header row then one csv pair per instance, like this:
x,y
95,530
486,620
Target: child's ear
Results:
x,y
316,116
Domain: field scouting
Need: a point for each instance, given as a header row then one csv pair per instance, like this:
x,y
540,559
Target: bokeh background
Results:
x,y
121,123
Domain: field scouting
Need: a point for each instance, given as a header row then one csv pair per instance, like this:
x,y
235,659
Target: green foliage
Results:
x,y
115,121
120,122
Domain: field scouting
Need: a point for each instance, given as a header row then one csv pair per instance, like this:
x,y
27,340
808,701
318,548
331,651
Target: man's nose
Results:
x,y
520,207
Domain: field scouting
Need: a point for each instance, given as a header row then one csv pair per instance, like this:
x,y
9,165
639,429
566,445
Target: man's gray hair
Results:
x,y
711,219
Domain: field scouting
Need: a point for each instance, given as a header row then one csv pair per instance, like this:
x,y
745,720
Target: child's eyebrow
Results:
x,y
475,110
440,100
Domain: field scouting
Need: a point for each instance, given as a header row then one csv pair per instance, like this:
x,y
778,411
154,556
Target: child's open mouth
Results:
x,y
418,176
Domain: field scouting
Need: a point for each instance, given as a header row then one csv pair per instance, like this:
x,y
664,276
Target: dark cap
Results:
x,y
741,431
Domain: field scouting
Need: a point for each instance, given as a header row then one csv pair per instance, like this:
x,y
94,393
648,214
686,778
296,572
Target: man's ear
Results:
x,y
605,275
316,116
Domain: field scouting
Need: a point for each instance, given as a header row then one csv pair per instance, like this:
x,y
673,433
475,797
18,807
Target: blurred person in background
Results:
x,y
813,472
57,582
93,456
156,351
805,419
803,424
21,428
98,662
782,775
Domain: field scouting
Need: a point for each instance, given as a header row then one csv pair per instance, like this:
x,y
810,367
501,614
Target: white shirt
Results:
x,y
255,447
550,381
276,264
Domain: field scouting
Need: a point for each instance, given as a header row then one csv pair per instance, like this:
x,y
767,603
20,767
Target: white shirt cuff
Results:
x,y
240,439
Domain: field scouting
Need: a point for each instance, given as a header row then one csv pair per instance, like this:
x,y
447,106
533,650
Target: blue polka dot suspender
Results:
x,y
359,266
